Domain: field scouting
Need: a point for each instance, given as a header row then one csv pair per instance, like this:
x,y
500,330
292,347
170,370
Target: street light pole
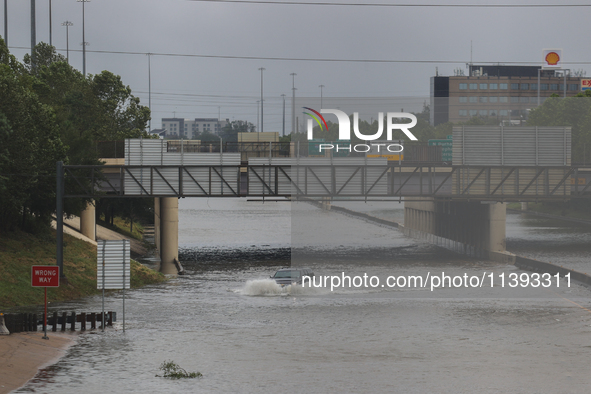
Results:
x,y
6,22
67,24
283,133
33,34
321,86
83,39
150,91
262,110
258,116
293,89
50,41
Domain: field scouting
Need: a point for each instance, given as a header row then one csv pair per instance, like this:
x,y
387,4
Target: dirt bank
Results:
x,y
23,354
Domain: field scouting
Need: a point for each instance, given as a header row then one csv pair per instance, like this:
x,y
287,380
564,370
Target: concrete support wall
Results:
x,y
169,234
88,221
420,215
477,227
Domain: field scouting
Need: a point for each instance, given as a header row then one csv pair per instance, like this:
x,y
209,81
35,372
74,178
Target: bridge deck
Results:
x,y
367,181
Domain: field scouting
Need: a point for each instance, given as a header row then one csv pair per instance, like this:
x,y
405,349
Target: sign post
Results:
x,y
113,269
45,276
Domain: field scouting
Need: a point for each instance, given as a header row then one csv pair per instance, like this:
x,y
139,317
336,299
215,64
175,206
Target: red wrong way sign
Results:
x,y
45,276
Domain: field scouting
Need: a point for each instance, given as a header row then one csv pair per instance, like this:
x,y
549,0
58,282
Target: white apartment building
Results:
x,y
189,128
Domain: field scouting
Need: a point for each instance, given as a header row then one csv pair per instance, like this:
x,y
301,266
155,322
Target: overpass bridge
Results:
x,y
462,201
459,203
350,179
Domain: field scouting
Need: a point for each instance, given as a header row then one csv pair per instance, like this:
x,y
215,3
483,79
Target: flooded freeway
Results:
x,y
245,334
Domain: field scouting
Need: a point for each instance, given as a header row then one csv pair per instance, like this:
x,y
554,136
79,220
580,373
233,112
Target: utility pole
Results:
x,y
33,34
283,132
84,43
50,41
6,22
293,89
321,86
258,114
150,91
67,24
262,110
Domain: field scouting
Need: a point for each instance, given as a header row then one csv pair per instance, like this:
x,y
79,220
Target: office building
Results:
x,y
505,93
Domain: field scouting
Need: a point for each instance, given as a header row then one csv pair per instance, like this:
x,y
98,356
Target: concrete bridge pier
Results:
x,y
157,223
475,227
169,235
88,221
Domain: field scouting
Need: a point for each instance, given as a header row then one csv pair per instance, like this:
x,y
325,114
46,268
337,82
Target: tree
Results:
x,y
31,145
122,116
230,131
207,136
44,55
88,109
571,111
53,113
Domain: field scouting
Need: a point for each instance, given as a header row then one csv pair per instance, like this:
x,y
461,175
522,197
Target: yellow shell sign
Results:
x,y
552,58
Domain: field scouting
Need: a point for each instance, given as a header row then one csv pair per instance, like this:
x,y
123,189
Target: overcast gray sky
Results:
x,y
200,87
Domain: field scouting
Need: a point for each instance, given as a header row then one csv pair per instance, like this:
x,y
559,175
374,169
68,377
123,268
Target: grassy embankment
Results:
x,y
19,251
555,208
120,226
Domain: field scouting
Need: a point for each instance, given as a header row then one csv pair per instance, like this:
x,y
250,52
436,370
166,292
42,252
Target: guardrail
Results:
x,y
23,322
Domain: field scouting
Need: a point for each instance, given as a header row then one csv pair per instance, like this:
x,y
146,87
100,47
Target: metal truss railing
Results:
x,y
498,183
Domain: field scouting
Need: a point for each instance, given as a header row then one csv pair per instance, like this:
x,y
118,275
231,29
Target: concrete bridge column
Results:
x,y
88,221
169,234
157,223
495,241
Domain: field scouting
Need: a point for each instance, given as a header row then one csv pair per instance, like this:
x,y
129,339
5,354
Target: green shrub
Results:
x,y
174,371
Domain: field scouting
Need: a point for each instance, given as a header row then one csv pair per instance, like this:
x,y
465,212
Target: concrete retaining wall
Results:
x,y
542,267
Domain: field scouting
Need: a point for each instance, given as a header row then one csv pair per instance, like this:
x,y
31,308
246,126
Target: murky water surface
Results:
x,y
553,240
227,320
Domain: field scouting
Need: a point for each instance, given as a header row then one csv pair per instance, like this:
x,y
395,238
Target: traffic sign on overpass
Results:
x,y
446,148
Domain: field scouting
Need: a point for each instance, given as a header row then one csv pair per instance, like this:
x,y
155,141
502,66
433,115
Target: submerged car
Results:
x,y
288,276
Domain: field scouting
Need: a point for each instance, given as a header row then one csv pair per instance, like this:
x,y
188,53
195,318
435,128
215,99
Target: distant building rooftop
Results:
x,y
507,71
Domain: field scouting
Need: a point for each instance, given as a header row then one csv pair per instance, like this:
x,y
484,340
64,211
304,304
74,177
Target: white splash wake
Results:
x,y
268,287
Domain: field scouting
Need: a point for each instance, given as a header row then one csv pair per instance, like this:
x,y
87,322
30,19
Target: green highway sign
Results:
x,y
446,148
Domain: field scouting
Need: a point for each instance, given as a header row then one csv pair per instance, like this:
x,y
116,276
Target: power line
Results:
x,y
430,5
264,57
201,95
300,59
